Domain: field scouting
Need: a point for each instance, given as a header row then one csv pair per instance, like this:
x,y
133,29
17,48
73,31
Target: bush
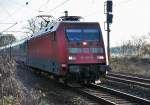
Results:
x,y
9,89
131,66
133,57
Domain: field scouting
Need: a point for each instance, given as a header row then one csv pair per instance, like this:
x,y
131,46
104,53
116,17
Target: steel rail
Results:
x,y
133,99
145,80
129,80
108,96
101,100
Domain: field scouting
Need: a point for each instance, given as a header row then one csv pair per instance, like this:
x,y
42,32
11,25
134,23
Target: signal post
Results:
x,y
109,16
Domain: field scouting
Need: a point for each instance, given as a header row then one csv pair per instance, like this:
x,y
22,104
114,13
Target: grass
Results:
x,y
8,100
12,90
131,66
9,88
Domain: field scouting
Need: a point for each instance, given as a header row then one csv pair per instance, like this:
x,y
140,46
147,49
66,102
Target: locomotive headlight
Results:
x,y
100,57
72,58
63,65
84,43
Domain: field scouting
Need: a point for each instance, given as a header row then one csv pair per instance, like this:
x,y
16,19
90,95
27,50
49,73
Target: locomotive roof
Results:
x,y
50,28
53,27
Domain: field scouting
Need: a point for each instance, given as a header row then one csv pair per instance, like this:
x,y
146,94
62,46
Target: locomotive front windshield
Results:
x,y
82,34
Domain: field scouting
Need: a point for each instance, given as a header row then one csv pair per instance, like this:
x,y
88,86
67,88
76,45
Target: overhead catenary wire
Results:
x,y
61,4
6,23
11,15
58,6
16,31
9,27
44,5
14,24
51,10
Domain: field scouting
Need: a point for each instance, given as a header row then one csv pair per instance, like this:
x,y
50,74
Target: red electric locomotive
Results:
x,y
69,49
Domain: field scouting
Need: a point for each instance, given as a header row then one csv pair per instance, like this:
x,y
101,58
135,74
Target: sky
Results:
x,y
131,17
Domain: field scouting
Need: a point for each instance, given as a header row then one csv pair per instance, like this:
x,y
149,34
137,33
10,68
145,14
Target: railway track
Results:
x,y
129,79
108,96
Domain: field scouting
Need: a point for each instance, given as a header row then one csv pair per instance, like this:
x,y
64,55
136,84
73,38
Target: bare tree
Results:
x,y
126,49
6,39
32,26
37,23
139,44
137,47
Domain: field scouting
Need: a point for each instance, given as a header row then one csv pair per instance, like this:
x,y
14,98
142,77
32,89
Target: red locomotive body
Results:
x,y
73,50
